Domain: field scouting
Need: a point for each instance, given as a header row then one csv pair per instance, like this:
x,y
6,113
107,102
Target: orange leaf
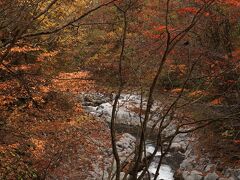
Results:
x,y
236,141
216,101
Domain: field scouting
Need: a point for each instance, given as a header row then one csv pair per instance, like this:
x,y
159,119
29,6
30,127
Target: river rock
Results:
x,y
193,175
230,178
94,99
210,167
122,174
177,147
126,145
126,141
232,173
211,176
97,173
187,164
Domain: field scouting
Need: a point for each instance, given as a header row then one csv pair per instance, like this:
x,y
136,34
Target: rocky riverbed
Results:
x,y
180,163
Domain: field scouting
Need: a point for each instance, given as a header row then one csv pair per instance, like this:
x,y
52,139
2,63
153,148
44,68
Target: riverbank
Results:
x,y
183,160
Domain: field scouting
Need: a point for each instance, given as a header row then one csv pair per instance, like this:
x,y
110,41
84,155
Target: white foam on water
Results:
x,y
165,171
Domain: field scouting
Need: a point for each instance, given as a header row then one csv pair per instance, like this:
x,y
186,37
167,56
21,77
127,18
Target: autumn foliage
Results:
x,y
52,51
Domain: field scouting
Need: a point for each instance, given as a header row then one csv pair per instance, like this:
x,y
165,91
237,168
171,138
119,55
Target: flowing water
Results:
x,y
129,122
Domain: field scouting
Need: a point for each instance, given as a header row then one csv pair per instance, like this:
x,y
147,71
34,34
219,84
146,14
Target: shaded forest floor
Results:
x,y
54,140
57,139
64,148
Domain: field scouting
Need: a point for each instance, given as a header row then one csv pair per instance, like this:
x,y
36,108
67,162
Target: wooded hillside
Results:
x,y
62,61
